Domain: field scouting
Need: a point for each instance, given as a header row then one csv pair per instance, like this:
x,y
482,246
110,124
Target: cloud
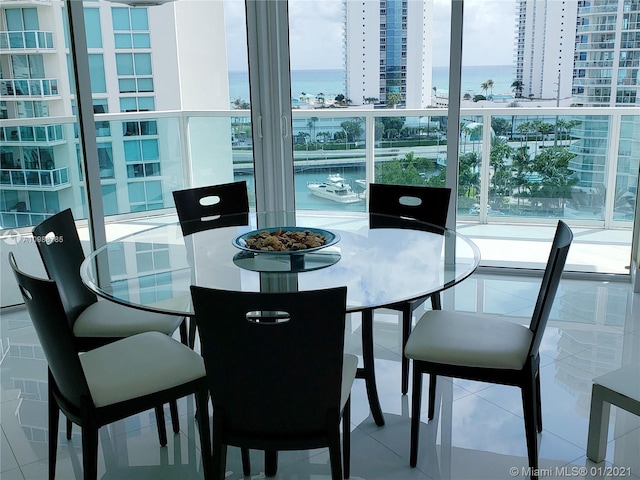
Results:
x,y
315,33
487,36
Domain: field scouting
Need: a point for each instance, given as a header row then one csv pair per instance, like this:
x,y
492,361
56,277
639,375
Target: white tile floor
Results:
x,y
478,431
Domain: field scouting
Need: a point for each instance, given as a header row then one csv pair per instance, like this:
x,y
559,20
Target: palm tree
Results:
x,y
312,126
518,87
490,86
484,86
393,98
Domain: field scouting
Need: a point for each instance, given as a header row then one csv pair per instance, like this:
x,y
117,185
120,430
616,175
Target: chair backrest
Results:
x,y
212,206
273,360
550,280
47,313
62,255
396,206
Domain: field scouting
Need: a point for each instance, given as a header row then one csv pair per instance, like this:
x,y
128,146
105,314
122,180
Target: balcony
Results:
x,y
584,11
29,88
46,135
54,179
609,45
27,41
596,28
594,64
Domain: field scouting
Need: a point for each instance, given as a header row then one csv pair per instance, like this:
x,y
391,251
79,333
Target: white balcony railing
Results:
x,y
320,145
28,88
47,179
26,40
43,134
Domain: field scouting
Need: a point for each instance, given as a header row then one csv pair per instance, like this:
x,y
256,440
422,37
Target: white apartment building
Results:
x,y
400,50
140,160
544,47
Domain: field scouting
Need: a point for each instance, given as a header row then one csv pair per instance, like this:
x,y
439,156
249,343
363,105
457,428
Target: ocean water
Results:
x,y
332,82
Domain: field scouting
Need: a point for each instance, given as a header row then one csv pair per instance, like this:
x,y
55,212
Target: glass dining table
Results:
x,y
153,269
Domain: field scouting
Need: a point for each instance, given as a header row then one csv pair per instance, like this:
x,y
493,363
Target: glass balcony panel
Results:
x,y
30,40
26,134
16,40
35,87
329,171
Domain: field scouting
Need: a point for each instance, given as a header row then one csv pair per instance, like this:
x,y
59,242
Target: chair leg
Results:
x,y
270,463
346,438
192,333
246,461
175,419
433,381
184,336
69,429
530,421
162,428
54,418
415,414
90,450
598,424
407,318
219,454
202,398
334,455
538,402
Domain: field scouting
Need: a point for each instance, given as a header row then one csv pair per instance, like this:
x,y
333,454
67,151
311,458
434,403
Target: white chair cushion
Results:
x,y
139,365
462,339
349,368
109,319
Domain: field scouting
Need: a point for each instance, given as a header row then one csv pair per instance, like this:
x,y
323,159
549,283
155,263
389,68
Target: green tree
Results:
x,y
324,136
521,166
405,171
501,179
468,175
311,124
353,129
500,126
395,123
240,104
517,86
556,183
490,86
393,99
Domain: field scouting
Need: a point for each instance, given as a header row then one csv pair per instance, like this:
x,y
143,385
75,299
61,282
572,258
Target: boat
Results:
x,y
335,188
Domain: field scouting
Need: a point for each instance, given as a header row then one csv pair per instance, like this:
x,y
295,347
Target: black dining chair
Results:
x,y
278,376
213,206
93,323
209,207
412,207
487,348
111,382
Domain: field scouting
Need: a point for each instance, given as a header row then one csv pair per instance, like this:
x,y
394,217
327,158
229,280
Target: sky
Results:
x,y
315,36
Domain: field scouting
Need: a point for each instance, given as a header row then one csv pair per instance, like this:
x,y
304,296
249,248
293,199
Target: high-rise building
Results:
x,y
607,61
593,46
607,54
400,50
544,46
139,160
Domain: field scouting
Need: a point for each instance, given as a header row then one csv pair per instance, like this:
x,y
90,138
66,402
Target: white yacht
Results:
x,y
335,188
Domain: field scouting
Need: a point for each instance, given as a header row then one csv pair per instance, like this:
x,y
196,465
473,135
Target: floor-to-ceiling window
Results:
x,y
370,97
